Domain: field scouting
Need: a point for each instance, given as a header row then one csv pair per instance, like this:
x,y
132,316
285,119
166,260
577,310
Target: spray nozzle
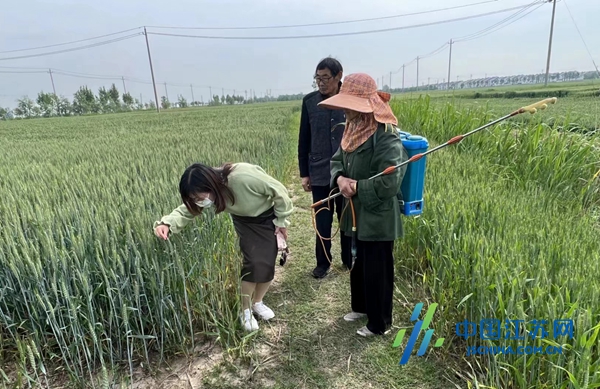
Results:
x,y
353,246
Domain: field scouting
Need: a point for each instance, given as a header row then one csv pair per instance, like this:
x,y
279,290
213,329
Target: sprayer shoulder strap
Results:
x,y
393,128
375,135
387,127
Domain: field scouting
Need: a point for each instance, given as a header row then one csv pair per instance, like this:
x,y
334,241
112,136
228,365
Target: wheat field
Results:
x,y
509,231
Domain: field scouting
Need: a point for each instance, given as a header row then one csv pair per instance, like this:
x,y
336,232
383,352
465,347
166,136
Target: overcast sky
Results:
x,y
284,66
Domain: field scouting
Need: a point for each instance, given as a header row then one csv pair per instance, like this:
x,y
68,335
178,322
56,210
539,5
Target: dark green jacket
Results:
x,y
376,206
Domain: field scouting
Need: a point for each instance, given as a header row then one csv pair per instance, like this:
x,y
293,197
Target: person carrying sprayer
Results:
x,y
259,206
370,144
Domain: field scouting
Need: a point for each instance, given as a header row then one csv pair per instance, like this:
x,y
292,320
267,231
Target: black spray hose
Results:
x,y
353,250
353,246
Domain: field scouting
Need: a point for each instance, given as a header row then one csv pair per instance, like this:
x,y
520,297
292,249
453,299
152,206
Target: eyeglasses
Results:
x,y
324,79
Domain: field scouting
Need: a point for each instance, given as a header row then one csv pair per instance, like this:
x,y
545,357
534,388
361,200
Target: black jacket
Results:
x,y
320,135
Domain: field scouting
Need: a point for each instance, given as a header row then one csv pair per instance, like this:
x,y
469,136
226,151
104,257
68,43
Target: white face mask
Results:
x,y
206,203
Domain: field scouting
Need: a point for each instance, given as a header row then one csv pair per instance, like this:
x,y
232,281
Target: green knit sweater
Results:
x,y
255,192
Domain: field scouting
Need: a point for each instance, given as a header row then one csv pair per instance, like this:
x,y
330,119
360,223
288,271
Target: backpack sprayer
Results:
x,y
411,189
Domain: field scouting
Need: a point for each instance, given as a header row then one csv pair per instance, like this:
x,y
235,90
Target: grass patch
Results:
x,y
509,232
86,286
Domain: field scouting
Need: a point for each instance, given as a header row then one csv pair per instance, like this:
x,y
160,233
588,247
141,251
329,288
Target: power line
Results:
x,y
337,34
75,48
324,23
501,27
250,28
404,66
72,74
68,43
434,52
102,77
581,36
115,77
21,68
486,31
490,28
413,60
260,27
276,37
477,33
97,76
23,72
472,35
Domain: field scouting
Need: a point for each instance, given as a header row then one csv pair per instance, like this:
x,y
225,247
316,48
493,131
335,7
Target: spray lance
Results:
x,y
532,109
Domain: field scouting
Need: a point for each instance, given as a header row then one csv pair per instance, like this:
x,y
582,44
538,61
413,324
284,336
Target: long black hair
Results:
x,y
199,178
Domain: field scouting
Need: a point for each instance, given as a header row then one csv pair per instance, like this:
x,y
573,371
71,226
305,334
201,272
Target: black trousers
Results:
x,y
324,223
372,283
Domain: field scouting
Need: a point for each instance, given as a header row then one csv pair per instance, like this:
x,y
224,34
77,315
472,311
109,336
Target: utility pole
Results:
x,y
151,71
54,89
52,79
192,87
124,89
390,82
550,41
449,63
417,73
403,77
166,92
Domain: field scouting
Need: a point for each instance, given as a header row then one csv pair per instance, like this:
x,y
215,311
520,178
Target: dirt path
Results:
x,y
308,344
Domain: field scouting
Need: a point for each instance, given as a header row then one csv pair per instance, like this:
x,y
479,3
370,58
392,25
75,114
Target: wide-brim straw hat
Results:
x,y
359,93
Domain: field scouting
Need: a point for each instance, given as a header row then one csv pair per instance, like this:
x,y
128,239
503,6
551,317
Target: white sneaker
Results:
x,y
364,331
248,321
263,311
353,316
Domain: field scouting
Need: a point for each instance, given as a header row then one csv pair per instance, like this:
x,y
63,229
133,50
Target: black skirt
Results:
x,y
258,244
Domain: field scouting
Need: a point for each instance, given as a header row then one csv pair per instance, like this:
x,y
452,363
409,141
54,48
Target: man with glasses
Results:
x,y
321,132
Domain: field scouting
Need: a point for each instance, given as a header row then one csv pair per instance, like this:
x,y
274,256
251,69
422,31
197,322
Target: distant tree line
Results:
x,y
85,102
493,81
